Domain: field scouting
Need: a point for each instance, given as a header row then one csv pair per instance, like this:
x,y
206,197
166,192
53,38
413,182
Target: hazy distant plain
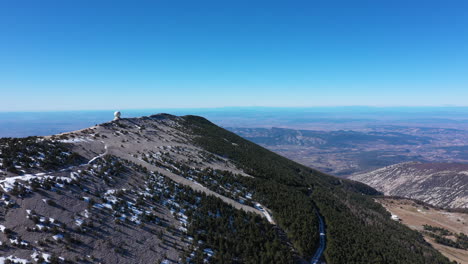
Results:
x,y
21,124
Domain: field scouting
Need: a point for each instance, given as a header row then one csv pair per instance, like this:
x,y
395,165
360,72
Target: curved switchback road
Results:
x,y
100,155
318,254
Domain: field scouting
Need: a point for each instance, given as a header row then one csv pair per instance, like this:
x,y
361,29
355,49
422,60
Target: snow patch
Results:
x,y
13,259
58,237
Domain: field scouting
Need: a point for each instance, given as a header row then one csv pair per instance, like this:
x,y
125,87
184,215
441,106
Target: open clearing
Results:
x,y
415,216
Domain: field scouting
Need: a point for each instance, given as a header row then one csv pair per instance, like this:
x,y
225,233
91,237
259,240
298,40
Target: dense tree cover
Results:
x,y
292,208
438,230
228,234
34,152
440,236
236,236
358,229
445,241
278,183
293,211
462,240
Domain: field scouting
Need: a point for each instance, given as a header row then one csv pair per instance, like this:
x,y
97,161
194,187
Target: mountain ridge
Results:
x,y
158,174
439,184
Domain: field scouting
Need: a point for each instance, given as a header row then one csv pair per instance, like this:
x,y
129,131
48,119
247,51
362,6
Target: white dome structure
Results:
x,y
117,115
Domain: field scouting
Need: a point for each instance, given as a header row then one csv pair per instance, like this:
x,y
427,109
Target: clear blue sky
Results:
x,y
68,55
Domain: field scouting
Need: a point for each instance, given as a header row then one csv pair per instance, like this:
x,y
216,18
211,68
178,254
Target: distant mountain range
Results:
x,y
439,184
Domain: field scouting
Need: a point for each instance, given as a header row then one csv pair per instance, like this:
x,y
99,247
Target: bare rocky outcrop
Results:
x,y
439,184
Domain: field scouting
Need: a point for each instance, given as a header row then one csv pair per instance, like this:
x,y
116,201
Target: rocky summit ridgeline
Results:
x,y
168,189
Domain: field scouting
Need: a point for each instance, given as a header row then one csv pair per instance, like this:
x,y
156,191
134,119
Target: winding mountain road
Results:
x,y
100,155
318,254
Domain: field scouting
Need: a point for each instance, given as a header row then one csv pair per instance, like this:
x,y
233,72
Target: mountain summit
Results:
x,y
168,189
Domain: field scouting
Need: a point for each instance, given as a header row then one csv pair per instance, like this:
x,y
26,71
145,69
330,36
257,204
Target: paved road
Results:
x,y
318,254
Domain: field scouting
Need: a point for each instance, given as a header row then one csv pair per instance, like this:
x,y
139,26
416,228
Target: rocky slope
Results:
x,y
168,189
439,184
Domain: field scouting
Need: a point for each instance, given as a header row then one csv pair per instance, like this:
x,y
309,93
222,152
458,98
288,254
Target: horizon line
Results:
x,y
235,107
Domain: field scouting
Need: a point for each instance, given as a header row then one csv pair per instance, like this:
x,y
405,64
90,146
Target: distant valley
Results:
x,y
347,152
428,164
